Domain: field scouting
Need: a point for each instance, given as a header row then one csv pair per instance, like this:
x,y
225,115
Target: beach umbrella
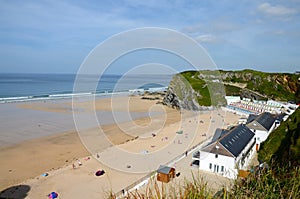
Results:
x,y
53,195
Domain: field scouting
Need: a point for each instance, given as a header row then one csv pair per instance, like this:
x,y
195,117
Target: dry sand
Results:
x,y
55,154
34,157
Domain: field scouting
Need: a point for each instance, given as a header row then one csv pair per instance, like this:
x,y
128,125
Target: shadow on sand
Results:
x,y
15,192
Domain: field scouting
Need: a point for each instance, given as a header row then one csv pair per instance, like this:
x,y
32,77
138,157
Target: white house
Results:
x,y
228,152
262,125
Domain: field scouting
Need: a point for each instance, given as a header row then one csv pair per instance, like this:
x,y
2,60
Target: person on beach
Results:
x,y
74,166
79,162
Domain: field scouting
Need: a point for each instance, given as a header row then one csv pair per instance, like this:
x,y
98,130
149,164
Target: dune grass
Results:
x,y
265,183
196,188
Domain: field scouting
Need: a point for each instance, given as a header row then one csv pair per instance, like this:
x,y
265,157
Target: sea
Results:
x,y
29,87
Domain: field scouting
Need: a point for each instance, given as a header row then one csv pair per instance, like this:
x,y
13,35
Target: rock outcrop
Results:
x,y
180,94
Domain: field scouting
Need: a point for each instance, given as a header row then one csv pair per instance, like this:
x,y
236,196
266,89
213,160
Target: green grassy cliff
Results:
x,y
210,87
283,144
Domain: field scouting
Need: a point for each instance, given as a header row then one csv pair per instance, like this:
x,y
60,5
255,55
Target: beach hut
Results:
x,y
165,173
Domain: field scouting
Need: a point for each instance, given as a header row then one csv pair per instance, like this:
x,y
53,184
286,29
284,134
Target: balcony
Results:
x,y
196,155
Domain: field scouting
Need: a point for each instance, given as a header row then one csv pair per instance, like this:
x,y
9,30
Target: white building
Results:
x,y
261,125
228,152
232,99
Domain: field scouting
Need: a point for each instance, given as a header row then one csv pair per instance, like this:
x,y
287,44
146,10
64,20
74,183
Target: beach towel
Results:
x,y
53,195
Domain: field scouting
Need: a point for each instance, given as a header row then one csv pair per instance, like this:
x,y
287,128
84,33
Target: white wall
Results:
x,y
251,147
260,135
228,163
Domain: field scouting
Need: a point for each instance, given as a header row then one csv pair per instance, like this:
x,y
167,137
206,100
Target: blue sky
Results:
x,y
56,36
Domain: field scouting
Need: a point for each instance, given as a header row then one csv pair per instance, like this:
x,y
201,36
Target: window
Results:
x,y
222,168
210,166
216,155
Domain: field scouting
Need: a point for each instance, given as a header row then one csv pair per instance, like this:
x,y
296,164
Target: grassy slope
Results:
x,y
283,144
198,85
260,82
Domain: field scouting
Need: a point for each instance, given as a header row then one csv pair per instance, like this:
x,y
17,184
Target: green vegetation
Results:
x,y
268,183
198,85
232,90
210,93
277,86
283,144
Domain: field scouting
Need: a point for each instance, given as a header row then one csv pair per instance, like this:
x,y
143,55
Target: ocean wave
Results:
x,y
71,95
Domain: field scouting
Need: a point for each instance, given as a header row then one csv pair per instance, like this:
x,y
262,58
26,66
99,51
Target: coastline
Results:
x,y
56,153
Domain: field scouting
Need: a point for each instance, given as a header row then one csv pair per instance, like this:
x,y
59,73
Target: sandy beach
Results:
x,y
54,153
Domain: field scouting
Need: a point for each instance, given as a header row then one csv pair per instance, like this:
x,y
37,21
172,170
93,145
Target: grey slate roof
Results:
x,y
164,169
219,133
231,143
237,139
266,119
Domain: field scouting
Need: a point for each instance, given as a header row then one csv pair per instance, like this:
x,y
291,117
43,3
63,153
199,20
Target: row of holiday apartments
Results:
x,y
231,150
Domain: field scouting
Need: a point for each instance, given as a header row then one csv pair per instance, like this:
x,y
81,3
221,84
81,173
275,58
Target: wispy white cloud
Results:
x,y
206,38
276,10
215,31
